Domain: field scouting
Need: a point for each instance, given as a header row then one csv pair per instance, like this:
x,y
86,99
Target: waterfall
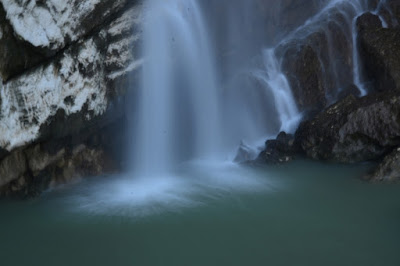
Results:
x,y
178,116
276,81
201,93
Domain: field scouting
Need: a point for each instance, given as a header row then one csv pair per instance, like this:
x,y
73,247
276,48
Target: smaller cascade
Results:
x,y
356,56
278,84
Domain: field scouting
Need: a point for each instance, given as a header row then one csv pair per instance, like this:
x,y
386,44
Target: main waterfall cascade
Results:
x,y
182,113
190,108
179,114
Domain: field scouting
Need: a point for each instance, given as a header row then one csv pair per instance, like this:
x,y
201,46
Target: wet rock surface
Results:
x,y
279,150
318,58
303,69
353,130
28,172
338,125
380,53
388,170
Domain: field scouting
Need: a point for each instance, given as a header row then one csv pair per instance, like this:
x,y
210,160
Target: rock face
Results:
x,y
388,171
380,53
66,81
30,172
304,71
318,57
353,130
279,150
41,29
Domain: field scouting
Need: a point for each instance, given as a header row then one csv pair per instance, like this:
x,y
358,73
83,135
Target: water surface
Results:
x,y
303,213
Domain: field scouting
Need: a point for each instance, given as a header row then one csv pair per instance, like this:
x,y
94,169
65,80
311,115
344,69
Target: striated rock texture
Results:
x,y
66,81
40,29
29,172
353,130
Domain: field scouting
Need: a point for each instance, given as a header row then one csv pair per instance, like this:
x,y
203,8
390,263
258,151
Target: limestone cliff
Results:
x,y
66,66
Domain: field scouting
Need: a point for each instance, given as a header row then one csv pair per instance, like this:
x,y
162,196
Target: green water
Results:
x,y
300,214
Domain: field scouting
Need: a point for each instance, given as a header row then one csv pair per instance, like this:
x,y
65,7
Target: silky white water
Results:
x,y
178,115
184,113
191,118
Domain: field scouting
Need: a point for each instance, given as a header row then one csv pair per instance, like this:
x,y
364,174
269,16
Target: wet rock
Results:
x,y
379,50
368,21
28,173
388,170
3,153
81,162
279,150
318,58
12,167
394,9
38,159
244,153
349,90
353,130
303,69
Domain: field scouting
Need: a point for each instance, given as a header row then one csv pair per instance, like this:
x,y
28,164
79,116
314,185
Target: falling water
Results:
x,y
276,81
188,110
178,113
356,60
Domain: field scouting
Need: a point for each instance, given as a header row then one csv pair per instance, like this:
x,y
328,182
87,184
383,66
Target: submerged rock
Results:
x,y
388,170
353,130
279,150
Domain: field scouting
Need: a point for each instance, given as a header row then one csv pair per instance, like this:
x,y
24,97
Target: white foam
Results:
x,y
189,187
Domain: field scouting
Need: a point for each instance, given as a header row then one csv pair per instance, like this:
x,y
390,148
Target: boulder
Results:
x,y
388,170
279,150
379,50
353,130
